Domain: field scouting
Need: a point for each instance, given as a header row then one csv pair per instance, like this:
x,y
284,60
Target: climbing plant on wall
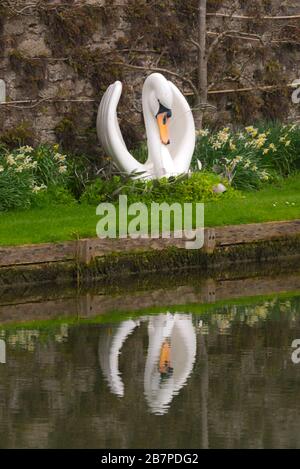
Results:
x,y
114,40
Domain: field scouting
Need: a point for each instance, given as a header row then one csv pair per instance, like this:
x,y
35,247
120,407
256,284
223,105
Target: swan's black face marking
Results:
x,y
163,109
162,117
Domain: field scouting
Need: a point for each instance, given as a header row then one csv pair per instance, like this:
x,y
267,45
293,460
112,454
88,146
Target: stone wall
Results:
x,y
33,70
62,56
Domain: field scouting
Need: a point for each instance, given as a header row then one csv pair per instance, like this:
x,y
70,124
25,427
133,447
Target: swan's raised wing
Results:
x,y
182,131
109,132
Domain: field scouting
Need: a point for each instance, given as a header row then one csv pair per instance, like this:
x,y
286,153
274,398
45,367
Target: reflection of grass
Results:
x,y
51,224
49,327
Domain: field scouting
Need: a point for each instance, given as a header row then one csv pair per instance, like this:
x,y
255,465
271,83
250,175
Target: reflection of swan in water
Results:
x,y
170,358
109,351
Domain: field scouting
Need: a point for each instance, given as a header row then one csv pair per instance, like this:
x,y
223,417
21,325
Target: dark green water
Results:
x,y
220,379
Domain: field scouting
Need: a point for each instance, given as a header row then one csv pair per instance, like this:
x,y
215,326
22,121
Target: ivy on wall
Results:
x,y
2,20
21,134
69,27
29,70
139,33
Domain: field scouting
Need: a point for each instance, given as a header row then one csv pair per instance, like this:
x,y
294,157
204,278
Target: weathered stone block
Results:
x,y
34,46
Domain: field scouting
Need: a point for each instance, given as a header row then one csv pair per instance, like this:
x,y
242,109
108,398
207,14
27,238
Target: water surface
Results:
x,y
215,377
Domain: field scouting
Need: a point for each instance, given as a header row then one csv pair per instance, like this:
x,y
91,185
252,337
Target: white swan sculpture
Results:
x,y
169,125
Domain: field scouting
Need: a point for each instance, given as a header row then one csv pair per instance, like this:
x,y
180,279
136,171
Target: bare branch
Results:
x,y
195,43
231,33
242,17
32,103
159,70
256,88
254,38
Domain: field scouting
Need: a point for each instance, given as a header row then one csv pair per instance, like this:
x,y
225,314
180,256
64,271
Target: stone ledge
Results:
x,y
116,265
85,251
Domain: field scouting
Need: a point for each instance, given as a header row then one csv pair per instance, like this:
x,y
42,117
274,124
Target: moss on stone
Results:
x,y
115,265
69,25
21,134
29,69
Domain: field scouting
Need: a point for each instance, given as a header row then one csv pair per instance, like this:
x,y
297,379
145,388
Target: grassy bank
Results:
x,y
58,223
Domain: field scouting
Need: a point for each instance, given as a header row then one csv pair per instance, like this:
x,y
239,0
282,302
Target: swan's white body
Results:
x,y
164,159
179,330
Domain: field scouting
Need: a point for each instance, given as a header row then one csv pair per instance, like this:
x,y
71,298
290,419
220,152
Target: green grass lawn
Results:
x,y
60,223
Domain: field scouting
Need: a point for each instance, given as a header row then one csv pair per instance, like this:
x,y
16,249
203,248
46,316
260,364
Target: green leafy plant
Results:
x,y
15,188
51,168
194,187
252,156
25,173
54,195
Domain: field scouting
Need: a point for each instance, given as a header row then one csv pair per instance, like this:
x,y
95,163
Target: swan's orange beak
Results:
x,y
163,125
165,357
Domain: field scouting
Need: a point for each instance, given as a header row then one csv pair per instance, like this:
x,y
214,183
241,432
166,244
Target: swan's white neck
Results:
x,y
158,153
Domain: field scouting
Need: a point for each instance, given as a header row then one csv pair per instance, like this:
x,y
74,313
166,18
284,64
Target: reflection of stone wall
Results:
x,y
243,393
